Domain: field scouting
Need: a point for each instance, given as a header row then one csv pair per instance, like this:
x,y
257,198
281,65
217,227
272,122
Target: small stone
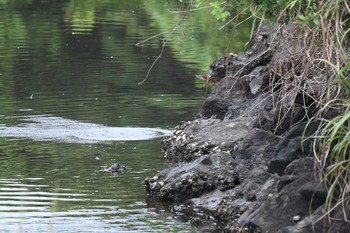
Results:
x,y
296,218
227,152
251,197
177,132
153,185
184,181
231,125
242,210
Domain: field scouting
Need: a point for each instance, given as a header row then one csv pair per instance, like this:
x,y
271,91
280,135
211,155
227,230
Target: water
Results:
x,y
50,128
52,187
70,104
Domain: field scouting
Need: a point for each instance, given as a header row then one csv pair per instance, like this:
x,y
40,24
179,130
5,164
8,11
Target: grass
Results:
x,y
312,53
331,147
312,69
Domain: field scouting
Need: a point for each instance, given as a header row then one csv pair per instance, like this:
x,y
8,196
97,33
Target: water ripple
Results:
x,y
51,128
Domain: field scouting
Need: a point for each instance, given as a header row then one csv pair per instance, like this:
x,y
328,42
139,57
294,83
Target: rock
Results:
x,y
114,169
238,165
235,87
192,179
299,194
222,137
291,147
296,218
271,217
320,222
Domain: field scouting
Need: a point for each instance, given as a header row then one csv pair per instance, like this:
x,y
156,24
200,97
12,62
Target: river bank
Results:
x,y
239,167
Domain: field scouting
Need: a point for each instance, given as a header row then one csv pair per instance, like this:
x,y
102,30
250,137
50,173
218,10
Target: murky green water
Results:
x,y
70,103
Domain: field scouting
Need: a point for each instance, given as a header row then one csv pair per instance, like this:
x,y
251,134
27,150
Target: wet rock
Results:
x,y
192,179
114,169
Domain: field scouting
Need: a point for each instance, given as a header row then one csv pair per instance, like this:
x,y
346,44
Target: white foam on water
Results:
x,y
51,128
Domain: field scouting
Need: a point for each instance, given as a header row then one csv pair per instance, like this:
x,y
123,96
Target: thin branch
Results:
x,y
234,18
154,62
139,44
192,10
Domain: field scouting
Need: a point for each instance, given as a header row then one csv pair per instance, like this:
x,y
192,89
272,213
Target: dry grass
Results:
x,y
312,69
310,56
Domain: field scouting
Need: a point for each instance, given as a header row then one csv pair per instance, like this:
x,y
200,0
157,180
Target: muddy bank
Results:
x,y
237,167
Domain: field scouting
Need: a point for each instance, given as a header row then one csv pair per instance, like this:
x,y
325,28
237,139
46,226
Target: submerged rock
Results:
x,y
114,169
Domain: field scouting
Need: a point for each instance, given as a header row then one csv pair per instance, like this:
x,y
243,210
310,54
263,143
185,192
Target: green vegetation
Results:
x,y
331,153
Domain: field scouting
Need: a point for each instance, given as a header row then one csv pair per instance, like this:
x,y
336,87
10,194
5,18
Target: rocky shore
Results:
x,y
237,167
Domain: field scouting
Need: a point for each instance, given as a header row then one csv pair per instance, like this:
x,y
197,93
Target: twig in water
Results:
x,y
139,44
154,62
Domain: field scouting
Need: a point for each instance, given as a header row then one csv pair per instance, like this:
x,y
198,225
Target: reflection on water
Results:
x,y
60,188
22,200
68,89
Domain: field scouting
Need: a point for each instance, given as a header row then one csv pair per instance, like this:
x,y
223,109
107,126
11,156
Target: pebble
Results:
x,y
296,218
